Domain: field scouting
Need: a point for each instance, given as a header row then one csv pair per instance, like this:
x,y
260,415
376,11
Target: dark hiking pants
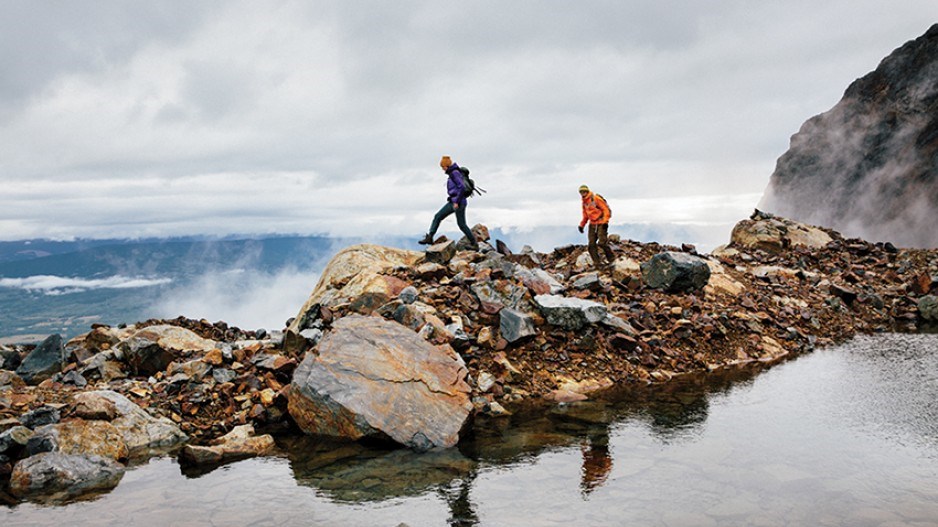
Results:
x,y
597,237
460,220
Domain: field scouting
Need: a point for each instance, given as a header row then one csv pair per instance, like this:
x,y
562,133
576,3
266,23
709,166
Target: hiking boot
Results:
x,y
427,240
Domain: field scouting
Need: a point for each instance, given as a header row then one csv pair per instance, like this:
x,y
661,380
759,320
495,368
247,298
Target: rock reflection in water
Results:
x,y
356,473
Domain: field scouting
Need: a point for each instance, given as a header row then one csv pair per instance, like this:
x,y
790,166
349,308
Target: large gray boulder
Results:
x,y
71,475
43,362
370,377
570,313
676,272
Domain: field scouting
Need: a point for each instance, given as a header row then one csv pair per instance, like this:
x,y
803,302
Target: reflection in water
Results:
x,y
597,463
728,448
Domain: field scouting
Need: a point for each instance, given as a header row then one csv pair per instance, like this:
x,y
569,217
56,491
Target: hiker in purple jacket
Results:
x,y
455,202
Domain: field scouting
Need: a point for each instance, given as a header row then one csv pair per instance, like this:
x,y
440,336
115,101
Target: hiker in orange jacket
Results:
x,y
596,212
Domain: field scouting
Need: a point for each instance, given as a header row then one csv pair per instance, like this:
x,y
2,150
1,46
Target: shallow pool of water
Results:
x,y
846,436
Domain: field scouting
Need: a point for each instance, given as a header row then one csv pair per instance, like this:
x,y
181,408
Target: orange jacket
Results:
x,y
595,210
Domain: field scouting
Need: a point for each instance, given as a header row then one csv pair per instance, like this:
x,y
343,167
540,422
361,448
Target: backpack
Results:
x,y
468,184
604,201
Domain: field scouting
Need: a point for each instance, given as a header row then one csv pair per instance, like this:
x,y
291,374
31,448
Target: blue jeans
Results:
x,y
460,220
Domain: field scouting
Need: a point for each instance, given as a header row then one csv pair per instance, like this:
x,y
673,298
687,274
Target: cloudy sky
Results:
x,y
127,119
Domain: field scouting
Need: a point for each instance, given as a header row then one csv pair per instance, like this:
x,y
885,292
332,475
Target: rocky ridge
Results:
x,y
502,328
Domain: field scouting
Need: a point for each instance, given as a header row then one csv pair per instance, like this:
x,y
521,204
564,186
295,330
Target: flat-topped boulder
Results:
x,y
775,234
370,377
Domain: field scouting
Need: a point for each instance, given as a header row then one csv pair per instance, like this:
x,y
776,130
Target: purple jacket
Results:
x,y
454,186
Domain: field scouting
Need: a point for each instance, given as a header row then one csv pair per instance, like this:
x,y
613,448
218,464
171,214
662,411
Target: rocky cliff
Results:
x,y
869,166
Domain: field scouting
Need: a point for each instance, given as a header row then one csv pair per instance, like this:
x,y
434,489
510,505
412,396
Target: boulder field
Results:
x,y
407,346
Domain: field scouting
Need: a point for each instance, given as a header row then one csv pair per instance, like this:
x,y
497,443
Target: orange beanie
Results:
x,y
446,162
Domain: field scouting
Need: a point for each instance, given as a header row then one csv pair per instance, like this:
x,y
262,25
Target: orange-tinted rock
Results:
x,y
373,378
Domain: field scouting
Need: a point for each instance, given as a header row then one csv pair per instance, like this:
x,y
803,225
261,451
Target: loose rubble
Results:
x,y
505,328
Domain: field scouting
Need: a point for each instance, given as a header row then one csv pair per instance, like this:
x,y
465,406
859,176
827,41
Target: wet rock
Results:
x,y
928,307
675,272
80,437
139,429
375,378
153,348
570,313
44,415
43,362
240,443
55,472
515,325
441,253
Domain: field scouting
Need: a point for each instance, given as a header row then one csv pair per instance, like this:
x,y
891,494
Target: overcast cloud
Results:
x,y
125,119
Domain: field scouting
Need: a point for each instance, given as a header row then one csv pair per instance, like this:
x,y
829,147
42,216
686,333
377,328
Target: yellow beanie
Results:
x,y
446,162
584,187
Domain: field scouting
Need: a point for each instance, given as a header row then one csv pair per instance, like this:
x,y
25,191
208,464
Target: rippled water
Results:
x,y
845,436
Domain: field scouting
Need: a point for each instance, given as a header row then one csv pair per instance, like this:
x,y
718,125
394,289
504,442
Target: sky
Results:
x,y
138,118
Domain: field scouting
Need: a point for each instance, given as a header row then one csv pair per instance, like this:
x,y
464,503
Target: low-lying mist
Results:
x,y
246,298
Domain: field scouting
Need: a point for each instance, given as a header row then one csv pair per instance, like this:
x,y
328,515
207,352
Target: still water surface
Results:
x,y
846,436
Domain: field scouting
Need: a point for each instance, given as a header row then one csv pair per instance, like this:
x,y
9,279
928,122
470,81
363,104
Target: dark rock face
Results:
x,y
676,272
44,361
869,166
